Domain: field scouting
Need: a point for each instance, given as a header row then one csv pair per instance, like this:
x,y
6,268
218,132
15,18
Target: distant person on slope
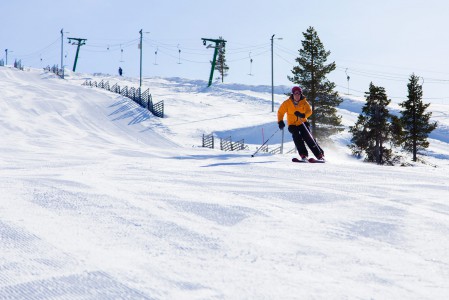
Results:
x,y
120,71
298,110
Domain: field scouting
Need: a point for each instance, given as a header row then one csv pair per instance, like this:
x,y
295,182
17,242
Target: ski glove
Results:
x,y
281,124
299,115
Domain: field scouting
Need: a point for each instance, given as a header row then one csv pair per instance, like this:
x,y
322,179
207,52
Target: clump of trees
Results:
x,y
377,132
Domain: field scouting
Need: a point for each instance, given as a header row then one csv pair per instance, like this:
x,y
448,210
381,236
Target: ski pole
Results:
x,y
282,142
311,136
265,143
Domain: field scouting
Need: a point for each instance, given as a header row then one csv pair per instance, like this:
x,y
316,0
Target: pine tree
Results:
x,y
310,74
375,128
221,65
396,132
415,120
359,140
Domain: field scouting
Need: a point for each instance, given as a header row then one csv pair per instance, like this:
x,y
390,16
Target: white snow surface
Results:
x,y
102,200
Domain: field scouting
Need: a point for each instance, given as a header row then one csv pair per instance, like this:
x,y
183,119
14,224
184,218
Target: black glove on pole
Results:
x,y
300,115
281,124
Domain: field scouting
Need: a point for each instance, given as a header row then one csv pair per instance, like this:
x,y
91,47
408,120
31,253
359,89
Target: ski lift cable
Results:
x,y
246,57
379,73
114,47
40,51
175,49
382,75
290,62
202,50
174,56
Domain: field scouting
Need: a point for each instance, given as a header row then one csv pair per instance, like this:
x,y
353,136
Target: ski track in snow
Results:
x,y
101,200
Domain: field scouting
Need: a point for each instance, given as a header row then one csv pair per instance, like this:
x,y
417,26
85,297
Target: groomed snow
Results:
x,y
102,200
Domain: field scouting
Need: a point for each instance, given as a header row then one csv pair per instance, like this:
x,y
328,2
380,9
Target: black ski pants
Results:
x,y
302,134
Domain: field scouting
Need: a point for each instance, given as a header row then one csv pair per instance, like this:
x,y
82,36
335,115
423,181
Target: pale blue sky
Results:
x,y
381,41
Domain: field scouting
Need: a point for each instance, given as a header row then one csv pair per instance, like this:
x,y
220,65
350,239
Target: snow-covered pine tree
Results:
x,y
415,120
310,74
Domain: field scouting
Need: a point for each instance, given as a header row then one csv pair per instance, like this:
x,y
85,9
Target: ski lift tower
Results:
x,y
219,43
81,42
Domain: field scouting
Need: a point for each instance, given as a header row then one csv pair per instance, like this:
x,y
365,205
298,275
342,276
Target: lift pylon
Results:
x,y
81,42
219,43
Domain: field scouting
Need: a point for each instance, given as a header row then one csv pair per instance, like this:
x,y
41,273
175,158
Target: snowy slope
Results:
x,y
101,200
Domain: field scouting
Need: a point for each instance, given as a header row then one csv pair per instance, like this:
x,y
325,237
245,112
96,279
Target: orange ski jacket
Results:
x,y
289,108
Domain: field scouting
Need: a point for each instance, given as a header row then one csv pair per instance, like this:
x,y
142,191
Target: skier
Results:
x,y
120,71
298,110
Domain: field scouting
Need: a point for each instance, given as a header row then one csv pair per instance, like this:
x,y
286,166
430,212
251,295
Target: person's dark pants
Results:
x,y
302,134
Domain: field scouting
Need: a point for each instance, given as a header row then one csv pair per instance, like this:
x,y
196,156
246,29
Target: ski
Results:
x,y
314,160
310,160
297,160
